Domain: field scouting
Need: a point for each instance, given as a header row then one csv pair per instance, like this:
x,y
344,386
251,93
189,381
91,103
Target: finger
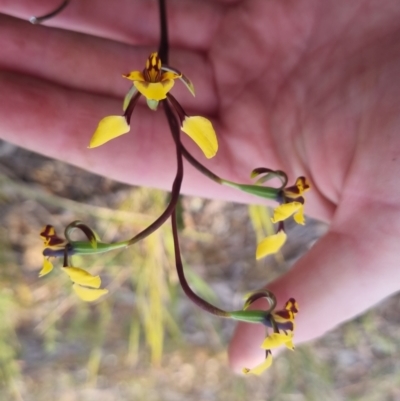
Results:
x,y
344,274
93,64
192,23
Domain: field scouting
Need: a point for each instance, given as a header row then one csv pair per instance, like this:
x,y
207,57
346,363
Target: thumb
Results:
x,y
339,278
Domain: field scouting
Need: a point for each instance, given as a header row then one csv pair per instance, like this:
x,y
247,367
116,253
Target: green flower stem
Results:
x,y
258,190
249,316
86,248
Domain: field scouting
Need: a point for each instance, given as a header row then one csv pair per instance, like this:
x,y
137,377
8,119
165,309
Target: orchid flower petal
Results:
x,y
284,211
299,217
275,340
172,73
129,97
165,76
271,244
109,128
188,83
154,90
82,277
134,76
257,370
89,294
47,267
202,132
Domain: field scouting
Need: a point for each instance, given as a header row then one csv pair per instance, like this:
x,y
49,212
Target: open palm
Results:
x,y
306,86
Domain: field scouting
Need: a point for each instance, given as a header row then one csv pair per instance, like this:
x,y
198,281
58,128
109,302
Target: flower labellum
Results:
x,y
284,211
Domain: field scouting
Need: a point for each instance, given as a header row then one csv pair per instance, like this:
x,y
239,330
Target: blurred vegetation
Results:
x,y
145,340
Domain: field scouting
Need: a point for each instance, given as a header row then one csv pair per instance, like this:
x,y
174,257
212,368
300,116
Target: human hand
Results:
x,y
302,86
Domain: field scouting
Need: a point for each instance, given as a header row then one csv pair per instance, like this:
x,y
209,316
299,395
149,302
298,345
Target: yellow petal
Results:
x,y
47,267
202,132
270,245
109,128
257,370
154,90
290,345
299,217
171,73
275,340
165,76
134,76
282,212
88,294
82,277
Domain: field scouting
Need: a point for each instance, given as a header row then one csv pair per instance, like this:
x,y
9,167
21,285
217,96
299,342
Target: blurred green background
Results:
x,y
145,341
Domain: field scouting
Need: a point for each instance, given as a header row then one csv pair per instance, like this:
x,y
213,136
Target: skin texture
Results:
x,y
306,86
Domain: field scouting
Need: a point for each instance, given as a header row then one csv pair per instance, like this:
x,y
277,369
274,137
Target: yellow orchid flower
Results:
x,y
154,83
53,243
282,322
291,204
86,286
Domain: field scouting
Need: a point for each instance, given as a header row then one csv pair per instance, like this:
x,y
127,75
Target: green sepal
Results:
x,y
128,97
153,104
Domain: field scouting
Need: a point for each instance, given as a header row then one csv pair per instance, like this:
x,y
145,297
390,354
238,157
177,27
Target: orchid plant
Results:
x,y
154,83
